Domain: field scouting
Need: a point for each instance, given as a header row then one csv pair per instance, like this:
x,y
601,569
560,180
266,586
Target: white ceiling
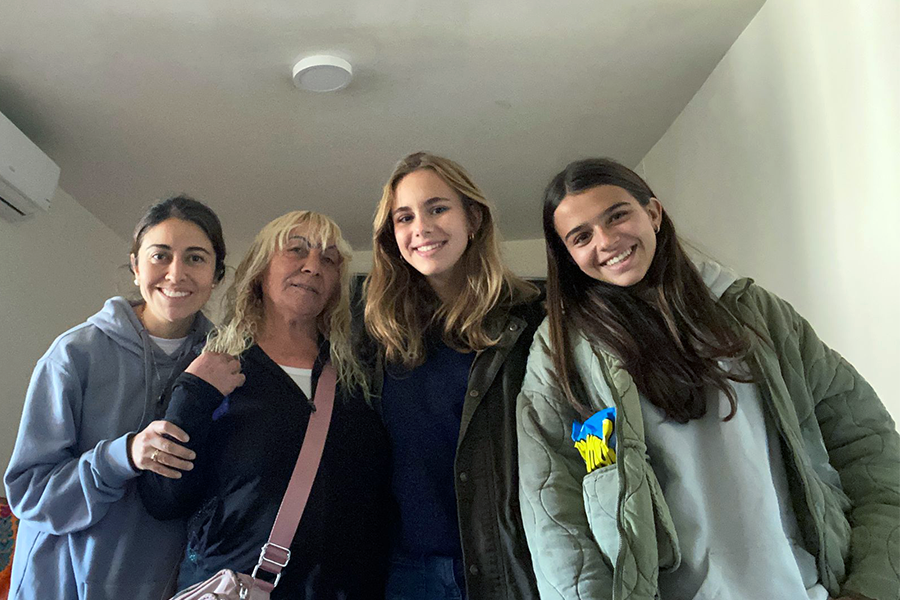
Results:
x,y
139,100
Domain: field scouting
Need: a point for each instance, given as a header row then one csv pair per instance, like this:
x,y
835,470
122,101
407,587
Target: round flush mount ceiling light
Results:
x,y
322,73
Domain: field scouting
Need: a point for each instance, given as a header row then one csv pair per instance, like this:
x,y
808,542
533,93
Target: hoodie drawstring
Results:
x,y
149,373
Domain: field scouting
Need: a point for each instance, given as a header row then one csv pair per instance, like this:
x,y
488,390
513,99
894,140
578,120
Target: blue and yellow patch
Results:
x,y
596,439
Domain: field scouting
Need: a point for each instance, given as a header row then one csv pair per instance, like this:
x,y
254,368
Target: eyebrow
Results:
x,y
188,249
578,227
308,243
429,202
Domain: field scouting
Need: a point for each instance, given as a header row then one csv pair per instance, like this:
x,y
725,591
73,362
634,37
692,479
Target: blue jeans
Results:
x,y
425,578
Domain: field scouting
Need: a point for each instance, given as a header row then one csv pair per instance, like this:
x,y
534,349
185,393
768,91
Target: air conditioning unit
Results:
x,y
28,177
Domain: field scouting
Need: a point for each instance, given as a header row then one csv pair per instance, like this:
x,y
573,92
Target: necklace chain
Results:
x,y
140,316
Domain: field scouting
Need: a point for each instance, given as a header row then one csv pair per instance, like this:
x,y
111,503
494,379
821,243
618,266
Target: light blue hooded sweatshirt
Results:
x,y
84,533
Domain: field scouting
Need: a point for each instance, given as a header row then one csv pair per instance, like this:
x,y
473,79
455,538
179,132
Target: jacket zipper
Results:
x,y
763,387
620,556
804,480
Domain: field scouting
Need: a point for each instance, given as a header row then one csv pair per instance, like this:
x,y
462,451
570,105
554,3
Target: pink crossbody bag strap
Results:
x,y
275,554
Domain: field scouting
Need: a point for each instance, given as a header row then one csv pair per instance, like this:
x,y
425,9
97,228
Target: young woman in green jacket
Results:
x,y
740,457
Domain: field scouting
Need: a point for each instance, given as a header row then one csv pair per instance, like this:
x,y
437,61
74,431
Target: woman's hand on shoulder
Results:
x,y
157,449
222,371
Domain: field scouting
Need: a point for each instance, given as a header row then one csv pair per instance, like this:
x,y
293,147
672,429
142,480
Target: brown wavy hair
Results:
x,y
401,306
667,329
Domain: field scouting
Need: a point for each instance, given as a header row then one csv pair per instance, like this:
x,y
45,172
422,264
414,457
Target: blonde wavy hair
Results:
x,y
244,300
401,306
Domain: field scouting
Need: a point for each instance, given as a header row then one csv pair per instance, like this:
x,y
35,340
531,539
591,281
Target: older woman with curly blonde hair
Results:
x,y
288,314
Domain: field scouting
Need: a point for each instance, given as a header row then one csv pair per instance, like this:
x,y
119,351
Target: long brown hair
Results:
x,y
401,306
667,329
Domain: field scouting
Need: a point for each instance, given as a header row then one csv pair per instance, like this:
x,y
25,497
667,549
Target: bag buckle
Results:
x,y
265,559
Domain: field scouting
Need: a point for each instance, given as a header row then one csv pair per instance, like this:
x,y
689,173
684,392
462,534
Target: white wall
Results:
x,y
57,269
786,165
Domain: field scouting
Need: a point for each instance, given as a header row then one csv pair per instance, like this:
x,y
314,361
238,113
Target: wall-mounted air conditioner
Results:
x,y
28,177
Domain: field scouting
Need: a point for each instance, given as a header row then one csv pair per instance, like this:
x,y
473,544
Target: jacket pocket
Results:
x,y
666,536
836,530
600,489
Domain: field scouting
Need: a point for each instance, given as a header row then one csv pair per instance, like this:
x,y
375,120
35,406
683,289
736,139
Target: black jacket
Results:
x,y
495,552
246,448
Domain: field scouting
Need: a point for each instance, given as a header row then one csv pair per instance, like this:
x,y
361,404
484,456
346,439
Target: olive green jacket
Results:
x,y
607,534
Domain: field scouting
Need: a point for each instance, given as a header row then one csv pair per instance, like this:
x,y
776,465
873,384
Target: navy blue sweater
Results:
x,y
422,410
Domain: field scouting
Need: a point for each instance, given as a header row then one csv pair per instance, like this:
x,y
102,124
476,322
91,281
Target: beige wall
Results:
x,y
786,165
527,258
58,269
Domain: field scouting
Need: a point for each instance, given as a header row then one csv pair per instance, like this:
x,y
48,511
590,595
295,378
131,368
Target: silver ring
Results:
x,y
154,455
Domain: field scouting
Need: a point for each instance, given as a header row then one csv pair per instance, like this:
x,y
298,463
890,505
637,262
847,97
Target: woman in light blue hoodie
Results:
x,y
89,424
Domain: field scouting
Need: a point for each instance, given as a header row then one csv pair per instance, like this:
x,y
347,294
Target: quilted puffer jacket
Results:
x,y
607,534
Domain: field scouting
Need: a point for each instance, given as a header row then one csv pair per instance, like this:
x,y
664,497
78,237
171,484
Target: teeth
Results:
x,y
428,248
617,259
174,294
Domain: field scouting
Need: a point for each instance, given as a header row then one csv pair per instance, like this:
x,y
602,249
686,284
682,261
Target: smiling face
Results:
x,y
301,280
609,235
431,227
175,268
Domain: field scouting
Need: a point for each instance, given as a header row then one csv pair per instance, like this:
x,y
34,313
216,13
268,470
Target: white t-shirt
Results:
x,y
727,489
169,346
302,377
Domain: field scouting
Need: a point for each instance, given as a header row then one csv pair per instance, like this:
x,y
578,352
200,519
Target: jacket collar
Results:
x,y
506,329
256,356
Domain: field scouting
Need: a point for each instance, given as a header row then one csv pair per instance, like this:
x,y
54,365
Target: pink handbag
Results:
x,y
224,585
275,553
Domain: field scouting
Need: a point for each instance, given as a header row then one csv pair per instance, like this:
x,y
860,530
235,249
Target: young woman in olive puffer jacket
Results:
x,y
749,459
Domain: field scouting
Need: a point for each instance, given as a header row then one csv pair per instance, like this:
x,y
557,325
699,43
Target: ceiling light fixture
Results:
x,y
322,73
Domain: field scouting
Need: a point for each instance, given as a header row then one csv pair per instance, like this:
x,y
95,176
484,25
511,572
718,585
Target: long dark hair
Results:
x,y
667,329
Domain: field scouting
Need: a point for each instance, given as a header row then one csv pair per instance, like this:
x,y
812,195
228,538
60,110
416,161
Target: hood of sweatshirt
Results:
x,y
118,321
716,277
